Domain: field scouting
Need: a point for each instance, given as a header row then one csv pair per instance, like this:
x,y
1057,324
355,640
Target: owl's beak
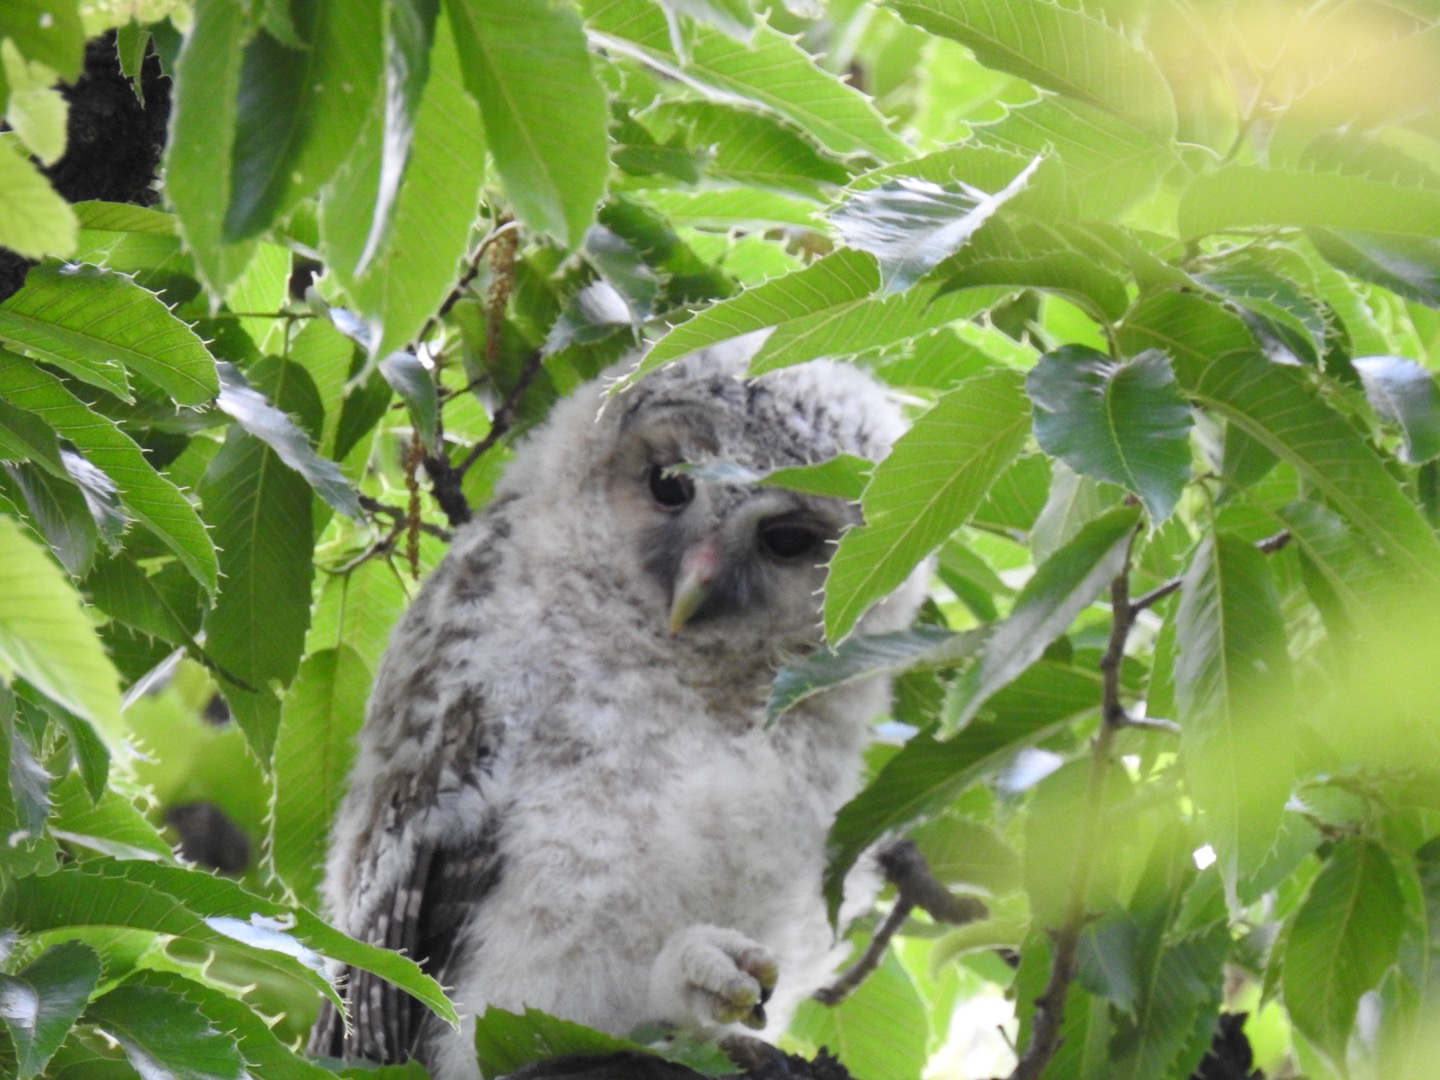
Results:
x,y
698,568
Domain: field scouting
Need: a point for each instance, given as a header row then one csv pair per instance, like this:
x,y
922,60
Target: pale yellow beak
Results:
x,y
698,568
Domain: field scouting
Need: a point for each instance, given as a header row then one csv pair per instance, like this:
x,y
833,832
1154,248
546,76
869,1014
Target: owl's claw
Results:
x,y
715,977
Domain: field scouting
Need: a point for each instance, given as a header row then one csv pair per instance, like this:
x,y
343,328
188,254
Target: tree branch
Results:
x,y
915,886
1045,1035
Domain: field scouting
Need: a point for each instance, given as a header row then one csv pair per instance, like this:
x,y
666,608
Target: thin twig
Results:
x,y
1268,546
1045,1034
915,887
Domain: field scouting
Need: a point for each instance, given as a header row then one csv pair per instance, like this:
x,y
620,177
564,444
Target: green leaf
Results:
x,y
35,111
1069,274
1244,196
25,437
202,136
881,1029
58,513
110,825
910,225
1275,405
150,498
1341,942
1408,266
165,604
772,71
749,148
937,474
49,31
1125,423
1058,48
409,37
842,477
507,1041
164,1036
82,317
212,911
838,280
924,647
314,748
260,511
528,66
1063,586
264,1053
414,384
259,418
27,784
40,1003
1403,392
299,110
732,17
35,222
46,638
1232,689
1192,330
927,775
398,285
1107,163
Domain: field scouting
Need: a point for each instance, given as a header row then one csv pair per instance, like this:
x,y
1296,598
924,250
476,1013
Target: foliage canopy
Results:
x,y
1159,280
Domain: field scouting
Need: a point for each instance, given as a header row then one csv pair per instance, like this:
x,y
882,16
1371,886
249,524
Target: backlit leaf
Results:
x,y
1342,940
79,316
1404,393
528,66
46,638
936,475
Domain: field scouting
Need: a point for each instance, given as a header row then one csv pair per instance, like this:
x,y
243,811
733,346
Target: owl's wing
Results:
x,y
421,917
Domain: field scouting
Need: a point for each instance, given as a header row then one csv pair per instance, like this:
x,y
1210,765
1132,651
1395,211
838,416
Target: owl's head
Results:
x,y
717,565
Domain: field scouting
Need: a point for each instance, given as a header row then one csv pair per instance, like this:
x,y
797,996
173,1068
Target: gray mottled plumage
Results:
x,y
565,795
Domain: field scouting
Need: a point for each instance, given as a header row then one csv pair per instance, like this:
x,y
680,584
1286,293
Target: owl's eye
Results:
x,y
671,491
789,541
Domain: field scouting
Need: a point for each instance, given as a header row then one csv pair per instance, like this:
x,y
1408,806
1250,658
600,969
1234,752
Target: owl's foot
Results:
x,y
707,976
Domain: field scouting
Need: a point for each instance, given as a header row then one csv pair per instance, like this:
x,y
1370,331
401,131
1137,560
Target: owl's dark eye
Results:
x,y
789,541
672,491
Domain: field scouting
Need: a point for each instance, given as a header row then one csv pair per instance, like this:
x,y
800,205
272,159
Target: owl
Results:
x,y
566,795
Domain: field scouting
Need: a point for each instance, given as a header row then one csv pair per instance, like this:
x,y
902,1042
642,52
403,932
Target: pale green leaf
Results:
x,y
260,510
1232,692
1244,196
36,111
871,656
841,279
1342,940
406,279
1063,586
1275,405
202,138
34,220
527,64
45,637
271,426
314,749
935,477
772,71
49,31
78,317
880,1030
742,209
1059,48
926,775
1192,330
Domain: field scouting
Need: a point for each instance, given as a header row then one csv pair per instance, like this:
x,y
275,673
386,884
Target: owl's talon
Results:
x,y
714,975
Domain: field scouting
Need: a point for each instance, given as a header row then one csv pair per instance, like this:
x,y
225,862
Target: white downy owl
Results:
x,y
566,794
